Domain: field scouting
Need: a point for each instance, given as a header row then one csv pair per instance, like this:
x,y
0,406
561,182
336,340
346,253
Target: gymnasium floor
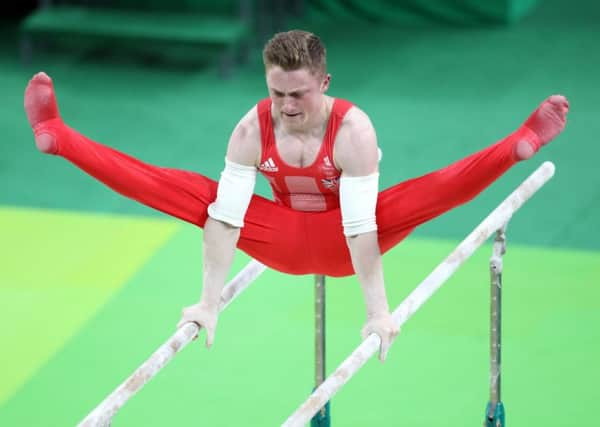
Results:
x,y
92,283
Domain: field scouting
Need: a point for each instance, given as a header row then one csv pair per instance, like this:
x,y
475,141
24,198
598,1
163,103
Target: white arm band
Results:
x,y
358,199
233,194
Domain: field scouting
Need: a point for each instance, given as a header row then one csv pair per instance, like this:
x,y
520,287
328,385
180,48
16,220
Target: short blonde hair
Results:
x,y
296,49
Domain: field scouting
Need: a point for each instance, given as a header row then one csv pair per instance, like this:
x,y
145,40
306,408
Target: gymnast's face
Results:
x,y
297,96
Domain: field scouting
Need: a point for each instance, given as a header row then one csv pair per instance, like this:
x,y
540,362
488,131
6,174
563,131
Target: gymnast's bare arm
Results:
x,y
220,238
356,154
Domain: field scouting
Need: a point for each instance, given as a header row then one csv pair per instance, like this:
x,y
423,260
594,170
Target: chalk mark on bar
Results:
x,y
103,413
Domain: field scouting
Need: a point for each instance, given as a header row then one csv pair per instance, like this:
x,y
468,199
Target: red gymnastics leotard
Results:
x,y
283,238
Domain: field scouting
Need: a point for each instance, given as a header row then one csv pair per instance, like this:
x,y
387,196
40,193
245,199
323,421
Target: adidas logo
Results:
x,y
268,166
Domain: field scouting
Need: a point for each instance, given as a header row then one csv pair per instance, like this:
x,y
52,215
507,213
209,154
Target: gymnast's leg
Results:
x,y
272,234
182,194
403,207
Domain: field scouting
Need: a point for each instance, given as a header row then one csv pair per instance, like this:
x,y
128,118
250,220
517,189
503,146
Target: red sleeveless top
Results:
x,y
311,188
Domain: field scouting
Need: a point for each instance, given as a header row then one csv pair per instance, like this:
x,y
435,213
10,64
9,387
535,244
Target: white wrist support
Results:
x,y
233,194
358,200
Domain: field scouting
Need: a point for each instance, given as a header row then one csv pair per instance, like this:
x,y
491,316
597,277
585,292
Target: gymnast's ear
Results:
x,y
325,82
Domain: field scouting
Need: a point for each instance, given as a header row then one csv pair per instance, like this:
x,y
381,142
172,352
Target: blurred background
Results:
x,y
92,283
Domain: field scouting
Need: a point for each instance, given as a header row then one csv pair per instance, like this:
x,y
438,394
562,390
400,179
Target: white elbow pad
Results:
x,y
233,194
358,200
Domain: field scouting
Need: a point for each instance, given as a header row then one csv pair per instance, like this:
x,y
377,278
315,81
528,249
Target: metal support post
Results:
x,y
321,418
494,416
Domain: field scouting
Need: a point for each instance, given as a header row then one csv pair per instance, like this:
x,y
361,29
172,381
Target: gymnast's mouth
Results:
x,y
290,114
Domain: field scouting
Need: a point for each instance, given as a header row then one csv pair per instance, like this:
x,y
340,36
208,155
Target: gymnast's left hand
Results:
x,y
202,315
383,325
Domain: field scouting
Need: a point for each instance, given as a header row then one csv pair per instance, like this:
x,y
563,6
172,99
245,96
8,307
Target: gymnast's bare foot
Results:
x,y
547,121
40,106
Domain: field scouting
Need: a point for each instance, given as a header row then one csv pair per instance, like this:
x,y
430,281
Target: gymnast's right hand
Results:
x,y
202,315
383,325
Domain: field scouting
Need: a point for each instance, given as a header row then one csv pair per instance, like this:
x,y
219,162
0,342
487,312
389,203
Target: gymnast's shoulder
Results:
x,y
244,143
356,126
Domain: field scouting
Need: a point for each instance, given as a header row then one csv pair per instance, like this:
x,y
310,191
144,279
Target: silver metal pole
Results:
x,y
320,332
495,408
499,249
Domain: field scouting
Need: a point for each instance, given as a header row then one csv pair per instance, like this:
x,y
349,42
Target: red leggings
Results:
x,y
290,241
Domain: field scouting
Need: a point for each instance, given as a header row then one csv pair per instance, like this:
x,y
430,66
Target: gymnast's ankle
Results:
x,y
42,111
544,124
